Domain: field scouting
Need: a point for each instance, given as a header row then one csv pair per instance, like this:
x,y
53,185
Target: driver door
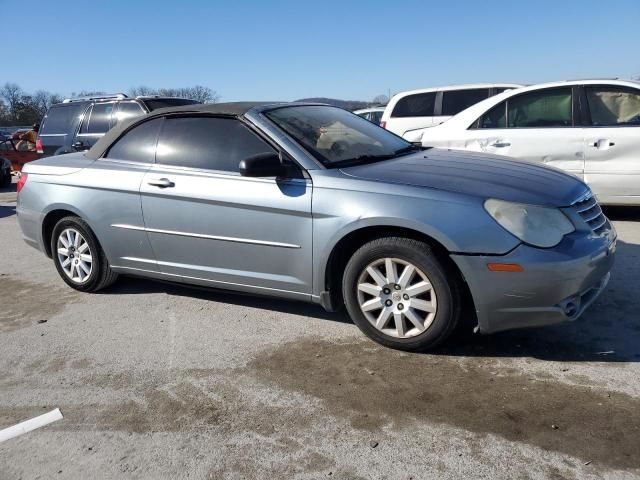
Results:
x,y
207,222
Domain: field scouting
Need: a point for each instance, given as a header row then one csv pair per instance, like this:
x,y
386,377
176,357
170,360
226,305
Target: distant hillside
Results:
x,y
346,104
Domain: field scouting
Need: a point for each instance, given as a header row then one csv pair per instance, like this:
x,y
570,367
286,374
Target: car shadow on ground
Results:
x,y
609,331
7,211
7,196
629,214
11,188
131,285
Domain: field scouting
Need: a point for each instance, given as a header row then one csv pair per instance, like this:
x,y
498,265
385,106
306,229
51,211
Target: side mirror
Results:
x,y
262,165
79,145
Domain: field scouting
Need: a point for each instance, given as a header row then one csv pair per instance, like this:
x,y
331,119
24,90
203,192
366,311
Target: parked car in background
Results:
x,y
431,106
9,131
77,123
16,158
373,114
221,195
590,128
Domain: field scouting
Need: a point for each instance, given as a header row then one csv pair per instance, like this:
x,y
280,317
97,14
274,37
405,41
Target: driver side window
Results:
x,y
211,143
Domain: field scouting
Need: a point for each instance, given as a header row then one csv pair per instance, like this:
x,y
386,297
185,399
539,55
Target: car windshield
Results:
x,y
338,138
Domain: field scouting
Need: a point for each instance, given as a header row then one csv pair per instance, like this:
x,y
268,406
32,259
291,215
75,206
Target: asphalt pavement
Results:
x,y
158,381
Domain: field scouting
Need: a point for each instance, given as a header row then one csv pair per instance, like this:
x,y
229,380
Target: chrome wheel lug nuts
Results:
x,y
386,291
405,296
396,286
388,303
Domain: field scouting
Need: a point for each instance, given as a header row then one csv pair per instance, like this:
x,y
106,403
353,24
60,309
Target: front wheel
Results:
x,y
400,295
78,257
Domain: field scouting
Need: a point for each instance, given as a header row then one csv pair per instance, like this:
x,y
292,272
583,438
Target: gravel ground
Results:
x,y
161,381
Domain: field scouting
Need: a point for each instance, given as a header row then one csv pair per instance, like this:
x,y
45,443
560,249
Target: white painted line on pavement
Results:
x,y
28,425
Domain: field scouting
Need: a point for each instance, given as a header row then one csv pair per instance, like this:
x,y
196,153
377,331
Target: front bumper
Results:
x,y
557,284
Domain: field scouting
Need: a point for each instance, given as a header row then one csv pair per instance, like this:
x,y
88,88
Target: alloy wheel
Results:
x,y
74,255
396,297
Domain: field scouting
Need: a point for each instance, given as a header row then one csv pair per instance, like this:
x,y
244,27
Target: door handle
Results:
x,y
602,143
161,183
500,144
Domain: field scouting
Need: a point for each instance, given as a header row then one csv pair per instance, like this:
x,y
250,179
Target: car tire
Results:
x,y
5,173
395,306
78,257
5,179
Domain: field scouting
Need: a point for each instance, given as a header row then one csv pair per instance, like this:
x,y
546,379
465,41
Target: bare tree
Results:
x,y
141,91
198,92
203,94
380,99
87,93
42,100
12,94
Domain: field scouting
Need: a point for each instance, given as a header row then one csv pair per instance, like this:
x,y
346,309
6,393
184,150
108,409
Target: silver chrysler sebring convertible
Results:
x,y
311,202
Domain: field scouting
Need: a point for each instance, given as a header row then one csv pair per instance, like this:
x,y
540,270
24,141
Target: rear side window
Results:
x,y
455,101
207,142
98,119
376,117
127,110
612,106
545,108
138,144
417,105
61,119
155,103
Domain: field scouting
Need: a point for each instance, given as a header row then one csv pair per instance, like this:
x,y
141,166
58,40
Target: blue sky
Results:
x,y
284,50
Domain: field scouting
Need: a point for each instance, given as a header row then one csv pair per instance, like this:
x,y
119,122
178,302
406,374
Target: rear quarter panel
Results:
x,y
102,193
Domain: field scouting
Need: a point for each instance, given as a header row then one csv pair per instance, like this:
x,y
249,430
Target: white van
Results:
x,y
432,106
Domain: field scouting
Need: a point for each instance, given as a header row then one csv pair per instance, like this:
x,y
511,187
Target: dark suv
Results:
x,y
77,123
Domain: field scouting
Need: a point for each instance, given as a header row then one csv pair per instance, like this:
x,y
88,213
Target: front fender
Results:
x,y
459,223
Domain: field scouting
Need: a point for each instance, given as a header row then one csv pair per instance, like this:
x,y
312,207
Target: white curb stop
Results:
x,y
31,424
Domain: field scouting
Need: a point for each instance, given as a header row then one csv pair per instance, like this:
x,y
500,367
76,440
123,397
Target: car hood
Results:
x,y
478,174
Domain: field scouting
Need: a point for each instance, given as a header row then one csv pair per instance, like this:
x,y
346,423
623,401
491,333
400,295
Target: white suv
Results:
x,y
590,128
431,106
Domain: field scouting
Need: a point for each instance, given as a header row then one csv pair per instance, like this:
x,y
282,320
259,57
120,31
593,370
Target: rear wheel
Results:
x,y
400,295
78,257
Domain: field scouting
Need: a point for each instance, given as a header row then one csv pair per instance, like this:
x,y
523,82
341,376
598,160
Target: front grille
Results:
x,y
588,208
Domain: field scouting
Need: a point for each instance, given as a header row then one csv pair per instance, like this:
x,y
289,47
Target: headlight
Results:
x,y
538,226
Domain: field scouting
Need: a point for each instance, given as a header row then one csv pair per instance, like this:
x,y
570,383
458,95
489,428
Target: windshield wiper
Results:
x,y
363,159
360,160
408,149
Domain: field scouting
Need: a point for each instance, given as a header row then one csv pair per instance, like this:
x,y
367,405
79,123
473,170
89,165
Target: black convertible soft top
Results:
x,y
231,109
